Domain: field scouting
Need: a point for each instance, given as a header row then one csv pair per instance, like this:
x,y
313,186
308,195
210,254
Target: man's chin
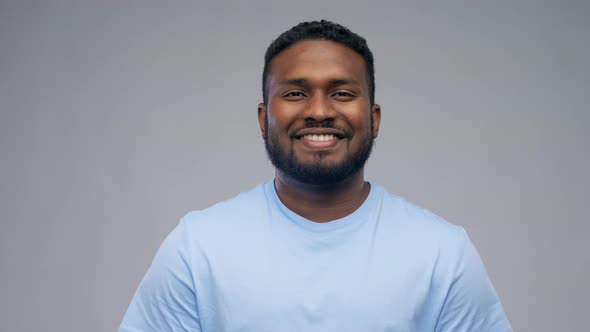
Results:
x,y
318,174
317,169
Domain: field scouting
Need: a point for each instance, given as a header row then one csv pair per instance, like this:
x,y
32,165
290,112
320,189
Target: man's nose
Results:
x,y
319,108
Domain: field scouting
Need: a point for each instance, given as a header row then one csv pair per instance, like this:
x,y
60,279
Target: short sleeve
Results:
x,y
165,299
471,304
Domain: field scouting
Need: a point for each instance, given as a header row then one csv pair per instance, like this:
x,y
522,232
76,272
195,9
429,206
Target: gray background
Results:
x,y
119,117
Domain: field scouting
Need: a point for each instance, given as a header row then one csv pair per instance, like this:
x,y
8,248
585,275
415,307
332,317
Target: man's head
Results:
x,y
319,118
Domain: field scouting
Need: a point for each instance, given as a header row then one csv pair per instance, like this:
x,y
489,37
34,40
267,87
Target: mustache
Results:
x,y
327,123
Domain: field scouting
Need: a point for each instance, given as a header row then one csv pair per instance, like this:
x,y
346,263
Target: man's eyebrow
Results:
x,y
335,81
344,81
293,81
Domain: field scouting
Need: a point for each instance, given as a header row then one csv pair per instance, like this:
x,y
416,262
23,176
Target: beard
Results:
x,y
317,172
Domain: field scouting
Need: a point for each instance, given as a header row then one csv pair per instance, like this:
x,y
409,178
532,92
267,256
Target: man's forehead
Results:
x,y
317,60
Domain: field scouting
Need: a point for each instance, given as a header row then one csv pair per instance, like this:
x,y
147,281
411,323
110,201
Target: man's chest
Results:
x,y
333,291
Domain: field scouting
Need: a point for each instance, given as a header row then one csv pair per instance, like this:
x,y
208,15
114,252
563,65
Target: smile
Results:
x,y
319,141
319,138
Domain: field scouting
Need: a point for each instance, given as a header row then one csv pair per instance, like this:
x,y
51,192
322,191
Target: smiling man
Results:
x,y
318,248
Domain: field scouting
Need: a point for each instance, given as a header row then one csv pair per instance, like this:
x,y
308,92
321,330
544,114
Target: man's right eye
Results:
x,y
294,95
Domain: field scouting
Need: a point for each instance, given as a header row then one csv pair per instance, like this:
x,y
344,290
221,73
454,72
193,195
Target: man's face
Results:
x,y
318,125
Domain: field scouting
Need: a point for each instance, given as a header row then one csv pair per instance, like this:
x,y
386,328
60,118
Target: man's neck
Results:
x,y
322,203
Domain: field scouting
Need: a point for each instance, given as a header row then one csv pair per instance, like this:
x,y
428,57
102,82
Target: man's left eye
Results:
x,y
343,95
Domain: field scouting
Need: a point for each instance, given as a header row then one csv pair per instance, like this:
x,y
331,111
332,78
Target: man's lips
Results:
x,y
319,141
320,137
320,134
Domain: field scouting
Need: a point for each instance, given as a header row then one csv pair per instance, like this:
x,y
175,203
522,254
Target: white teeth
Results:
x,y
322,137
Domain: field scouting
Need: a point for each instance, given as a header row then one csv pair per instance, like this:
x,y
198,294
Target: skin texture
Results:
x,y
321,82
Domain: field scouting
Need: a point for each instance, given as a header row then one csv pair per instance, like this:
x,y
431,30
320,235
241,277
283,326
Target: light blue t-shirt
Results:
x,y
250,264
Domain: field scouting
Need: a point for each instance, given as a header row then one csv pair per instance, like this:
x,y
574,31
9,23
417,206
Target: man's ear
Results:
x,y
376,116
262,117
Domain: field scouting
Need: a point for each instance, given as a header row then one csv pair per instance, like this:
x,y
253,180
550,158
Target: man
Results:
x,y
319,248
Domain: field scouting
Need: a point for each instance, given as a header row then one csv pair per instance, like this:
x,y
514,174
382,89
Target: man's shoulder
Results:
x,y
416,220
228,216
425,237
240,205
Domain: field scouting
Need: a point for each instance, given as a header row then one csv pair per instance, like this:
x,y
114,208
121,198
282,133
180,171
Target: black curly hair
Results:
x,y
324,30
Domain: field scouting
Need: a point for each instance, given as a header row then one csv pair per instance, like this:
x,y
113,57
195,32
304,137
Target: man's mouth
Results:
x,y
319,137
320,134
319,141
